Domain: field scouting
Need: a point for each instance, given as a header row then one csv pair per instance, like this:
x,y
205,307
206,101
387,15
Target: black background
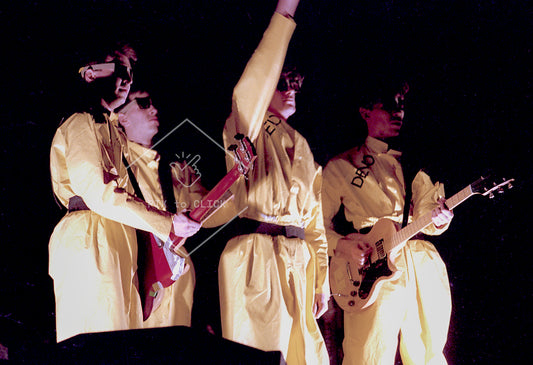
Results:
x,y
468,112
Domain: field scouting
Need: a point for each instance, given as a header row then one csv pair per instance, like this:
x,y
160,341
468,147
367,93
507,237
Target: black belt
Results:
x,y
249,226
76,203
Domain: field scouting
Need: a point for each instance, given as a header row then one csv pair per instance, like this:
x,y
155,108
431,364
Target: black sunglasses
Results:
x,y
123,72
143,104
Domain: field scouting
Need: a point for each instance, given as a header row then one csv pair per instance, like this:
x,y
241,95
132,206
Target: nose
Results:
x,y
290,92
399,114
127,80
152,110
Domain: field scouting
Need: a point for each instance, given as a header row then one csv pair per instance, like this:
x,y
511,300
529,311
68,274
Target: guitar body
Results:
x,y
354,287
159,272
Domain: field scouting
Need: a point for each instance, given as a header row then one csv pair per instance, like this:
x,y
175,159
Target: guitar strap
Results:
x,y
143,237
167,187
409,174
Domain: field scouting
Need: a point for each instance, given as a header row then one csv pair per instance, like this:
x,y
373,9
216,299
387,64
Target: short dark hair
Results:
x,y
381,90
100,52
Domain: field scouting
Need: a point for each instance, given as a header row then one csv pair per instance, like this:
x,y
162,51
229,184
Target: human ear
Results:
x,y
89,76
365,113
123,120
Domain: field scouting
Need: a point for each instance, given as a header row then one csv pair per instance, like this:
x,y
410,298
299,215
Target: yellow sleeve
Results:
x,y
76,149
254,90
331,202
425,196
316,238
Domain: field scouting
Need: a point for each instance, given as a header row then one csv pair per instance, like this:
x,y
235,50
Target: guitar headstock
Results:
x,y
244,153
487,186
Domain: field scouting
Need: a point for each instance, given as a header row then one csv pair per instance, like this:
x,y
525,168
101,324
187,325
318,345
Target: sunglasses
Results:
x,y
392,104
286,84
108,69
143,104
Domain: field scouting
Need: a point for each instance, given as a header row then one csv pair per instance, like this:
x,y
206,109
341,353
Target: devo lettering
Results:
x,y
362,172
270,124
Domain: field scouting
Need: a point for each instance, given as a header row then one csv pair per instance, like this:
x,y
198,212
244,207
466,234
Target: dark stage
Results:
x,y
468,113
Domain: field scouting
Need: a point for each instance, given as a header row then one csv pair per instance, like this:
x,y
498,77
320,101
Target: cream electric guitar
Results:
x,y
356,287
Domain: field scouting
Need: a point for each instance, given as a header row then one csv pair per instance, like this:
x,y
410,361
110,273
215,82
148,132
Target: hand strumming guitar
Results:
x,y
353,248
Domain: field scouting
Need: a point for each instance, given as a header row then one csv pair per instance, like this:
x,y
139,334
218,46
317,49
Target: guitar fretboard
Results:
x,y
418,225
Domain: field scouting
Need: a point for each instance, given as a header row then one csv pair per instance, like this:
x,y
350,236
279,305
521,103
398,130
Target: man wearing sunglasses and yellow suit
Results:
x,y
93,249
273,273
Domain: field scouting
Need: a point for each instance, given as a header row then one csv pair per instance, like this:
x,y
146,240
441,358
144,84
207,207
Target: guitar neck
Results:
x,y
206,205
404,234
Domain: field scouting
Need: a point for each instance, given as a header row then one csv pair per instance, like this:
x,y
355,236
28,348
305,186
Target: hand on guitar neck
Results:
x,y
184,226
441,215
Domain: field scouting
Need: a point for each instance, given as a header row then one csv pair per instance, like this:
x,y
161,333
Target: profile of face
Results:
x,y
385,118
283,103
112,79
139,118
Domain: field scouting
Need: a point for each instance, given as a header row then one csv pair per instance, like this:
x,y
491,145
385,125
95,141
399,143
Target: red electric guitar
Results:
x,y
164,265
356,287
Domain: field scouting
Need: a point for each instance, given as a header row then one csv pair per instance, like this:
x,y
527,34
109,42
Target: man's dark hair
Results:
x,y
381,91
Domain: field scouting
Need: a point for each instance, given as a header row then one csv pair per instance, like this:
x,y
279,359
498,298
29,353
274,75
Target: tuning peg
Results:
x,y
232,147
239,136
491,195
509,184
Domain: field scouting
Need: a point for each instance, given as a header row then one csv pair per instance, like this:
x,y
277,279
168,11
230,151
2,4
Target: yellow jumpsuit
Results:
x,y
176,306
93,253
266,299
369,182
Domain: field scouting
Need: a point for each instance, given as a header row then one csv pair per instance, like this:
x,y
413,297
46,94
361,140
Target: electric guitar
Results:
x,y
163,263
356,287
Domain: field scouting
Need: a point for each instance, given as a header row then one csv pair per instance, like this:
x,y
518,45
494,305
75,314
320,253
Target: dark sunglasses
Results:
x,y
288,84
391,105
143,104
116,68
123,72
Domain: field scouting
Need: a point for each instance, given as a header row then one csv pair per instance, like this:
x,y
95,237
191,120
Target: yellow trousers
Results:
x,y
417,305
266,300
92,263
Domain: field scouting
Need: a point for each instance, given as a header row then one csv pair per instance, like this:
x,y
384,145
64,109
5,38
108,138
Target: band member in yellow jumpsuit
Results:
x,y
140,121
93,249
368,181
273,274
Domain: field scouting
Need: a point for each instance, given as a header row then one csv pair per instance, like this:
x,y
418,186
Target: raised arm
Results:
x,y
255,88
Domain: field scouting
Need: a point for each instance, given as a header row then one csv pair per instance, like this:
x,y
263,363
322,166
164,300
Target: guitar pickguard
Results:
x,y
371,273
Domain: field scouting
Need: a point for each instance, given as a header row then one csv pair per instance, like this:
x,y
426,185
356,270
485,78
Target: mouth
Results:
x,y
397,122
290,102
